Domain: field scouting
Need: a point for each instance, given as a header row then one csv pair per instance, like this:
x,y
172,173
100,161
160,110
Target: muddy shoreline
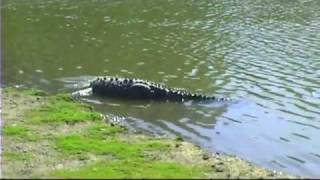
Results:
x,y
56,136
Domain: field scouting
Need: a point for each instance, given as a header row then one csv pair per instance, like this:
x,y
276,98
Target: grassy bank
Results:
x,y
55,136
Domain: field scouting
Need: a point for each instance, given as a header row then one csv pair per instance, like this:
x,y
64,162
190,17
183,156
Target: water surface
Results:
x,y
264,54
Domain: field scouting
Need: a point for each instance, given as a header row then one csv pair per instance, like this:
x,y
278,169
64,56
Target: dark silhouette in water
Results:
x,y
141,89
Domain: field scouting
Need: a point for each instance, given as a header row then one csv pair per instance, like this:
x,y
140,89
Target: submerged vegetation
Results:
x,y
55,136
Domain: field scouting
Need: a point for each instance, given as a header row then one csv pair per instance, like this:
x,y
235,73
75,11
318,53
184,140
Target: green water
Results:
x,y
266,54
131,38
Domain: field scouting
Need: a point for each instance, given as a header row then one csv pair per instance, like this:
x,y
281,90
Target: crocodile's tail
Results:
x,y
185,96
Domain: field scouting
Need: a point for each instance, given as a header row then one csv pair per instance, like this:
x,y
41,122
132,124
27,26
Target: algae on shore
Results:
x,y
55,136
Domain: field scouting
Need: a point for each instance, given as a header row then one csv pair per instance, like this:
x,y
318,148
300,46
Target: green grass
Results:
x,y
129,159
103,130
102,139
13,156
35,92
18,131
75,144
15,130
137,168
63,109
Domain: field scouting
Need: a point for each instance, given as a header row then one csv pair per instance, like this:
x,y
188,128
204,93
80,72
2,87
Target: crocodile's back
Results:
x,y
140,89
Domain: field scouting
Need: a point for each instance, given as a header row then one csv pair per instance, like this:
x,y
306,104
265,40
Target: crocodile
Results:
x,y
126,88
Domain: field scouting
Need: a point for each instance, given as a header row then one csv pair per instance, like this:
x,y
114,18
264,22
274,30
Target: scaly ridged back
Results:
x,y
141,89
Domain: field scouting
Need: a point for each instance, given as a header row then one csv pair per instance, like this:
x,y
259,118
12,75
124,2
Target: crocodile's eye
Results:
x,y
111,79
104,78
125,80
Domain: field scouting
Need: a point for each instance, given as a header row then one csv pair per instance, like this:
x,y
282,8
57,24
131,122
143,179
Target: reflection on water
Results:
x,y
264,54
